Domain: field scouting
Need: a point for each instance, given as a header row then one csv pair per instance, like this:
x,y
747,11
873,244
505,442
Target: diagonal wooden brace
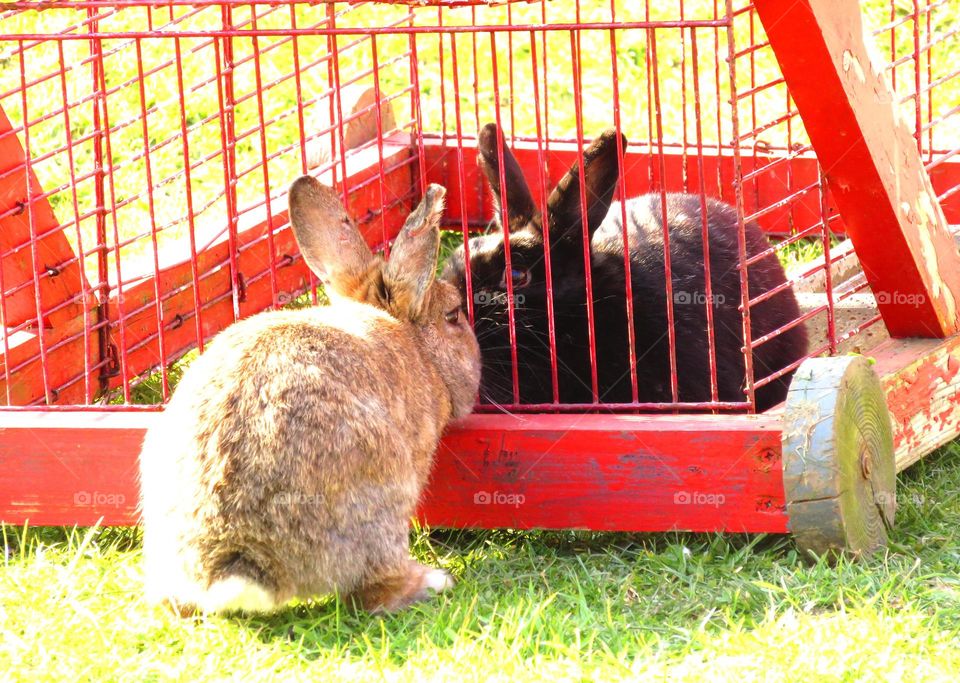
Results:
x,y
871,162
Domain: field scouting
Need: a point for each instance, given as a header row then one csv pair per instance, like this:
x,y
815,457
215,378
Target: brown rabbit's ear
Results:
x,y
329,240
601,171
520,206
412,266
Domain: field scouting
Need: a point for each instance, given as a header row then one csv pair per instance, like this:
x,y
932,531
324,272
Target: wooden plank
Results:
x,y
767,189
871,161
59,284
63,468
631,473
921,378
609,472
53,249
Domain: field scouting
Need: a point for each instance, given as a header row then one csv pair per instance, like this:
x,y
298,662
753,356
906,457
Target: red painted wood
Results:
x,y
63,282
70,468
921,378
871,162
53,249
632,473
765,190
609,472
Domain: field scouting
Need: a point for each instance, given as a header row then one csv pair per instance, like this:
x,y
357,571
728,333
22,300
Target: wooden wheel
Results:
x,y
838,465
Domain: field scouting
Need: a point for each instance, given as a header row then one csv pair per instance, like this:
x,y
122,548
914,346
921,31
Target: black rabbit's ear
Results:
x,y
601,171
520,206
328,239
412,266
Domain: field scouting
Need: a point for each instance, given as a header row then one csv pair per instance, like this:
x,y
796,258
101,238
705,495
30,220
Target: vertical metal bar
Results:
x,y
188,187
103,278
684,162
157,294
719,101
546,83
228,134
505,219
828,273
929,40
416,110
461,180
84,286
741,228
621,196
443,80
755,195
917,97
264,164
667,268
476,73
299,88
121,313
588,275
704,221
36,267
379,122
647,61
513,92
542,187
338,102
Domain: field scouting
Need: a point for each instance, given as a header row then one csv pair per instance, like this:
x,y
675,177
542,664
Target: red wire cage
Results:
x,y
146,148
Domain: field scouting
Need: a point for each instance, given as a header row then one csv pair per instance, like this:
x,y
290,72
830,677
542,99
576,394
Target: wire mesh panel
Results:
x,y
147,148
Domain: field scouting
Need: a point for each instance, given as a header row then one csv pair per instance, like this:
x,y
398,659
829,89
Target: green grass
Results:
x,y
528,606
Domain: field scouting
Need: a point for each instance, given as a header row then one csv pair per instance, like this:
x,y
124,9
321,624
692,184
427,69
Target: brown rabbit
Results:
x,y
292,454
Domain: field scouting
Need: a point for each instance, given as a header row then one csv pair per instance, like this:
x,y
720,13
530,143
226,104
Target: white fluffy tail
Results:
x,y
236,594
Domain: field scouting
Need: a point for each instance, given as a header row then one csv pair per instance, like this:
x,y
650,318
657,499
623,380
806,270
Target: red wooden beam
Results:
x,y
631,473
778,179
921,379
49,271
871,162
610,472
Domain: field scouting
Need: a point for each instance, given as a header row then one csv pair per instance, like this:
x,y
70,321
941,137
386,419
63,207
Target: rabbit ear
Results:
x,y
329,240
601,171
520,206
412,266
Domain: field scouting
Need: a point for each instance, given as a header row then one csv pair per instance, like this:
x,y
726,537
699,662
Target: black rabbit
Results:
x,y
645,236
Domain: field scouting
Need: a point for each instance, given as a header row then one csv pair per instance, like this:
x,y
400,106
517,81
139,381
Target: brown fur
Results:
x,y
292,454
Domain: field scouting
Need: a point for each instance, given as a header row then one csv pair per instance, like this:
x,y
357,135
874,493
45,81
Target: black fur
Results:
x,y
645,237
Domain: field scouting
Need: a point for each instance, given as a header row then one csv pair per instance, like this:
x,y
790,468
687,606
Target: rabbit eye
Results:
x,y
520,277
453,316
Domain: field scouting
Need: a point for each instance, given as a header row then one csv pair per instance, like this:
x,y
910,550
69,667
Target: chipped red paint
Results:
x,y
922,381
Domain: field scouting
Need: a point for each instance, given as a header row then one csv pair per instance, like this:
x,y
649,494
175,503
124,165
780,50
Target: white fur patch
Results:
x,y
236,593
437,580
